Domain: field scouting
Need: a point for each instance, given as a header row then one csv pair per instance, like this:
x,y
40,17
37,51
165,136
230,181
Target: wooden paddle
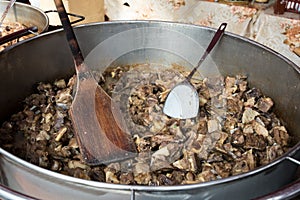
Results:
x,y
102,138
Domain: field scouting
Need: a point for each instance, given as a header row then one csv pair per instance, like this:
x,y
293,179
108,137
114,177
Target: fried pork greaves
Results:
x,y
235,131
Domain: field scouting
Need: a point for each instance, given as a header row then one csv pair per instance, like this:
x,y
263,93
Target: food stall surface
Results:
x,y
256,21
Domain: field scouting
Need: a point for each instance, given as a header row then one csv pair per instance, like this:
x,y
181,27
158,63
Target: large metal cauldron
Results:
x,y
47,57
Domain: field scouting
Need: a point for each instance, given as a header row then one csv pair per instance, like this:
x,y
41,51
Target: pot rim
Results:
x,y
230,34
94,184
65,178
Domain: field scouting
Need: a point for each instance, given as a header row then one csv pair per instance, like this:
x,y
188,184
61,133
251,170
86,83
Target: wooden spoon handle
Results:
x,y
73,43
211,45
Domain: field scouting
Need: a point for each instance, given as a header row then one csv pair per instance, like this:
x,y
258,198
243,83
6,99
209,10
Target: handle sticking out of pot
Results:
x,y
18,34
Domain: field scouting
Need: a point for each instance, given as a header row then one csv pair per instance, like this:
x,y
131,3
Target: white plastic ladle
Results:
x,y
183,100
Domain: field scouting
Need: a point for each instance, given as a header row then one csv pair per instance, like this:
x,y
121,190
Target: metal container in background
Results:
x,y
47,57
26,14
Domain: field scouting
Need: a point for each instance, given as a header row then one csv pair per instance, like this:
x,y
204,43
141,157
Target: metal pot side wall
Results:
x,y
42,184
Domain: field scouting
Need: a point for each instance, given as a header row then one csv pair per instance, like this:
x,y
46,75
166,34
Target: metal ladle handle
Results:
x,y
211,45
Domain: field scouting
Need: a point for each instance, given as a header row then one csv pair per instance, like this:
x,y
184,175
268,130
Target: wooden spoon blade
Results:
x,y
100,136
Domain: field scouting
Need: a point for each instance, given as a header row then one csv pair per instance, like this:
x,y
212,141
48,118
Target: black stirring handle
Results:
x,y
18,34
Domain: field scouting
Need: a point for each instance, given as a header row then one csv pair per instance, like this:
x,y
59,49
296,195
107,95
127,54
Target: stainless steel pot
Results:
x,y
26,14
47,57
